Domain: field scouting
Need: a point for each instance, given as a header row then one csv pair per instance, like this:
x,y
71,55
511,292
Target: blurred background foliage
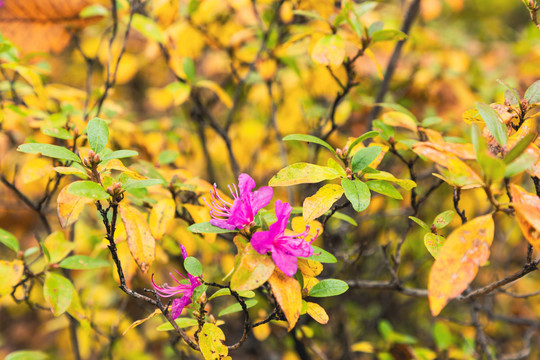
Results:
x,y
455,52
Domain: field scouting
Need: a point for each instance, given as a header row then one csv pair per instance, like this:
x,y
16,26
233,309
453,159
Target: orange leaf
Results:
x,y
253,270
41,25
140,241
70,207
288,294
465,249
527,207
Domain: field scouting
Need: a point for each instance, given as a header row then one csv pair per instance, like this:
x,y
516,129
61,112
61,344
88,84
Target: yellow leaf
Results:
x,y
316,205
35,169
396,118
253,270
116,164
363,346
222,94
329,50
288,294
309,267
69,207
211,342
465,249
527,208
201,214
317,312
139,322
58,246
140,241
11,273
298,226
161,216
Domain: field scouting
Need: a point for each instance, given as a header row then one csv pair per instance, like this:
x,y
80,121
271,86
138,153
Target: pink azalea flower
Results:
x,y
186,290
245,206
284,248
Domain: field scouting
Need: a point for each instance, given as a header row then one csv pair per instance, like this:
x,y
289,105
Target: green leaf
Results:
x,y
511,95
58,133
331,163
363,157
226,291
189,68
343,217
98,134
88,189
495,126
309,14
181,322
532,95
442,336
58,292
478,141
385,188
309,139
120,154
328,287
237,307
493,168
420,222
303,173
368,135
54,151
193,266
520,147
387,35
322,256
138,184
357,193
167,156
83,262
519,165
9,240
147,27
206,227
27,355
443,219
406,184
94,10
434,243
376,26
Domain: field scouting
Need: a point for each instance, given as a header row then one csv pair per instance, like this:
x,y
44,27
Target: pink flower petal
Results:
x,y
262,241
261,198
286,263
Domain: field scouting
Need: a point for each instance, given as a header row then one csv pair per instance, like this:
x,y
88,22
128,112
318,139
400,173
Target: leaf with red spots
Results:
x,y
465,249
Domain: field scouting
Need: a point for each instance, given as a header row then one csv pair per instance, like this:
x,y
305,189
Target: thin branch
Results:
x,y
411,14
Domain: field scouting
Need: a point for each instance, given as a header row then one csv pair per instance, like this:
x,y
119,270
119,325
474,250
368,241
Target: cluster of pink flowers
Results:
x,y
284,249
241,214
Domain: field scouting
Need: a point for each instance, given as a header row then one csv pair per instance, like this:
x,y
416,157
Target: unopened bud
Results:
x,y
348,171
531,4
339,152
91,154
86,162
97,159
349,176
196,313
345,150
391,140
76,131
211,319
110,190
433,228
